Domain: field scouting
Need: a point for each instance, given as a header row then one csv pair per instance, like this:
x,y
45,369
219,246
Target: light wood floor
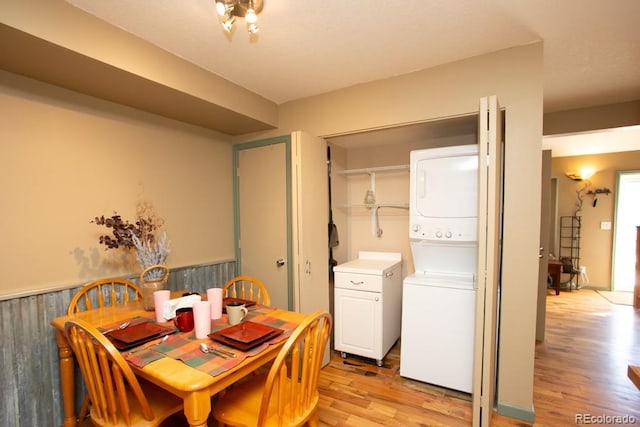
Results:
x,y
580,368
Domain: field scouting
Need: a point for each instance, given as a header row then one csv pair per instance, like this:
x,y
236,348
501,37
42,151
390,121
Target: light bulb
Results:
x,y
586,173
221,8
228,24
252,28
251,16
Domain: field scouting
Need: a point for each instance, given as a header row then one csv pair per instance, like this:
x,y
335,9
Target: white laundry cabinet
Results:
x,y
368,303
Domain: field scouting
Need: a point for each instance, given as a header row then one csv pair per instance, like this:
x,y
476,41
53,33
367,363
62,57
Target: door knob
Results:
x,y
280,262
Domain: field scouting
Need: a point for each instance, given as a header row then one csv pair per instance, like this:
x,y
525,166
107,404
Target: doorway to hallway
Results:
x,y
627,218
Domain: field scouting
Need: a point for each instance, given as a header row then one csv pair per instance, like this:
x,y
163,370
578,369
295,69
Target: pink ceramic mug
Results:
x,y
184,319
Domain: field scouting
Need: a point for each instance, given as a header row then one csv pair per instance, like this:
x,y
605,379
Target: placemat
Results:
x,y
184,346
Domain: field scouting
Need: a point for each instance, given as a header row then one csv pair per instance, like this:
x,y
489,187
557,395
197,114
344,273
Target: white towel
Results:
x,y
172,305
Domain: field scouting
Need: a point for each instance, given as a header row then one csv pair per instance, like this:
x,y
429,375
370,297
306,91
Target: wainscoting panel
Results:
x,y
29,369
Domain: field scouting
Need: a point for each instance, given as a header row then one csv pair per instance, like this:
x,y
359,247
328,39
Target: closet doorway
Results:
x,y
627,218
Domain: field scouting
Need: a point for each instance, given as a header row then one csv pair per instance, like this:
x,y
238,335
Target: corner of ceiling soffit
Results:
x,y
232,109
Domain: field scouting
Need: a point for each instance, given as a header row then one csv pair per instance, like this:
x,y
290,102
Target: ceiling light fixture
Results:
x,y
229,10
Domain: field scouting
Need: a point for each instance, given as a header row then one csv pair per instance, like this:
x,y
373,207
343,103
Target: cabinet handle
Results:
x,y
377,299
389,274
356,283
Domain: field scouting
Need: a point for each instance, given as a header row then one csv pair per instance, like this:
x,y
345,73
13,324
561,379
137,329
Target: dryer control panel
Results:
x,y
444,229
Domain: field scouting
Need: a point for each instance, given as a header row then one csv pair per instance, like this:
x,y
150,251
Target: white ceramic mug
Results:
x,y
236,312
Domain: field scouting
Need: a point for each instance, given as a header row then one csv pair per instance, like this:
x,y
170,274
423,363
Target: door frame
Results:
x,y
615,249
237,148
546,204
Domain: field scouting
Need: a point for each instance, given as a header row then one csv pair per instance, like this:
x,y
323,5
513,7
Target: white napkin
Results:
x,y
172,305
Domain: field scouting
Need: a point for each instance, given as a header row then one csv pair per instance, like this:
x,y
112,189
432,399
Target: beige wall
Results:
x,y
66,157
596,245
592,118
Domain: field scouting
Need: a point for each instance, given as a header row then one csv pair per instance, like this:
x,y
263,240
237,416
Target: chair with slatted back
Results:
x,y
288,394
118,398
247,287
102,293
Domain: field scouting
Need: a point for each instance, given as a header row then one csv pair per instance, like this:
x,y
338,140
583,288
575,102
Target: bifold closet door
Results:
x,y
489,229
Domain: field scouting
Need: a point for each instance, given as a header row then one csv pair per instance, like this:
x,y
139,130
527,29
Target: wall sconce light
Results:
x,y
582,175
595,193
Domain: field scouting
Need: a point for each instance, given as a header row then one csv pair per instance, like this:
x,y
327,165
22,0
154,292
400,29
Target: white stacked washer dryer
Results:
x,y
438,300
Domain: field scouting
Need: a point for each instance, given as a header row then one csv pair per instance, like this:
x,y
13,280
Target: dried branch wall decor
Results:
x,y
139,235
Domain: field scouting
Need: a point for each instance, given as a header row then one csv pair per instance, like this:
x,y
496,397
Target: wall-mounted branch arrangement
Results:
x,y
580,196
595,193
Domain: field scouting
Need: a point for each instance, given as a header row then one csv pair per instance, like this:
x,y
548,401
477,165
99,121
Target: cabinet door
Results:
x,y
358,320
310,216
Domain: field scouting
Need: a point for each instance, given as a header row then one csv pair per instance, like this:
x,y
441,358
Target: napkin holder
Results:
x,y
172,305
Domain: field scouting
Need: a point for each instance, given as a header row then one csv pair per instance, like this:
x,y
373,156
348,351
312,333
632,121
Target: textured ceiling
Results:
x,y
304,47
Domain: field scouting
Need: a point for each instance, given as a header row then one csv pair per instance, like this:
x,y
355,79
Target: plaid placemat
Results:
x,y
184,346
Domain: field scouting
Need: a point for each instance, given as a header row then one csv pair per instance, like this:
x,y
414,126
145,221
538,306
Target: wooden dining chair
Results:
x,y
103,293
247,287
118,398
287,395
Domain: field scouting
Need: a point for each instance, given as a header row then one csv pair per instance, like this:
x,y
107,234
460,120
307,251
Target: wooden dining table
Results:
x,y
194,386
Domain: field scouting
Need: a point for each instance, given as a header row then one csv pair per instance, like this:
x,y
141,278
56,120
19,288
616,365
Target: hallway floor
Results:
x,y
580,368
